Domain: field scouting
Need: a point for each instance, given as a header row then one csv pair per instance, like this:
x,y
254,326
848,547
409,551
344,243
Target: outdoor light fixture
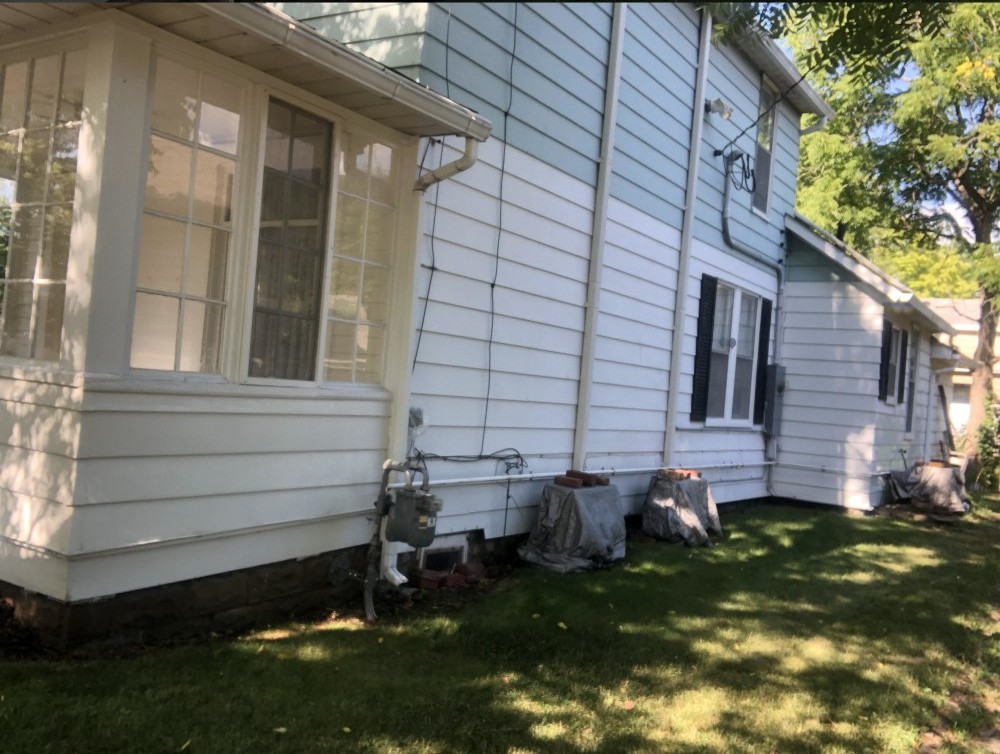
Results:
x,y
718,107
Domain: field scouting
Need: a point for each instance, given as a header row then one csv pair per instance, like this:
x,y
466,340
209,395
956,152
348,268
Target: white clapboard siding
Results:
x,y
538,313
39,446
831,352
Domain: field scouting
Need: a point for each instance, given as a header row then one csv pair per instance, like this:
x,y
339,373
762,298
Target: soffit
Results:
x,y
270,41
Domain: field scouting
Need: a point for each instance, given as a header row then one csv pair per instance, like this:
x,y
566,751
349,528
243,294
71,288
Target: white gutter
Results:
x,y
600,223
687,234
446,171
283,31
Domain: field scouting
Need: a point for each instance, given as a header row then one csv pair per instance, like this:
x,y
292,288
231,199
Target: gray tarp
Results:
x,y
577,529
680,510
934,489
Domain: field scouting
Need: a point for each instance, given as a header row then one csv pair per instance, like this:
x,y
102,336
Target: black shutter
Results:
x,y
901,386
763,341
703,348
883,370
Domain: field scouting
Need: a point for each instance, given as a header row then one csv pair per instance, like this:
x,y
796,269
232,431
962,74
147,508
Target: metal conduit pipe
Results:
x,y
687,234
771,446
503,478
599,228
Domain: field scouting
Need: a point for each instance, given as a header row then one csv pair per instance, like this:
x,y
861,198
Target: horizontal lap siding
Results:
x,y
632,346
537,330
831,352
558,74
891,436
242,477
40,431
653,131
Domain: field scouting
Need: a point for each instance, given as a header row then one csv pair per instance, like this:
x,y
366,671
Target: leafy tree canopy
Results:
x,y
871,39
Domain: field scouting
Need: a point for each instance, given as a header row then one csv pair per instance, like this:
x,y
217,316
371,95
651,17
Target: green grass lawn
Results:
x,y
803,631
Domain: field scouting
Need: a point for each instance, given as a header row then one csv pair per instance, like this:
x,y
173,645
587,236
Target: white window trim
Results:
x,y
727,421
765,84
892,387
237,330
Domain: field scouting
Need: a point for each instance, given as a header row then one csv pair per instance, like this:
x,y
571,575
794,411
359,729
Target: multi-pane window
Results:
x,y
180,302
291,244
765,144
363,248
734,343
41,105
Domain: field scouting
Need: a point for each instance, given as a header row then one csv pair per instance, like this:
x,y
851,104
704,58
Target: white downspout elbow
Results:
x,y
817,126
446,171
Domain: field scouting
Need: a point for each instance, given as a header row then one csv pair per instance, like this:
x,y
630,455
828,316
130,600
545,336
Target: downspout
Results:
x,y
446,171
687,234
817,126
771,445
596,272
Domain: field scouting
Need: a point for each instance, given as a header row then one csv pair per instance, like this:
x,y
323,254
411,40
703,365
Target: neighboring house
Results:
x,y
226,286
963,315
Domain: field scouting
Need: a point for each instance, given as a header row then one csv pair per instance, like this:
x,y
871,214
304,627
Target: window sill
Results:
x,y
761,215
162,384
731,424
47,372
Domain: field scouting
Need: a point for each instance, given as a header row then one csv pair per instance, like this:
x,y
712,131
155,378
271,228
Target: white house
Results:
x,y
241,247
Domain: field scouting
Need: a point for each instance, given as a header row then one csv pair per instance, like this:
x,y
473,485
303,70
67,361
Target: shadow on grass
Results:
x,y
802,631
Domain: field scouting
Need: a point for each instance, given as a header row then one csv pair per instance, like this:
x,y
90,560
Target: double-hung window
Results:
x,y
731,354
892,370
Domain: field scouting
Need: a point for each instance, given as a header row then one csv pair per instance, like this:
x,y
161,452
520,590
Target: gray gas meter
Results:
x,y
412,517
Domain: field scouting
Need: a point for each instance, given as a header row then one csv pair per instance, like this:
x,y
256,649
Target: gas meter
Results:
x,y
412,518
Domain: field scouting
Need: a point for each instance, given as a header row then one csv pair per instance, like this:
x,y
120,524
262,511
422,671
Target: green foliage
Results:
x,y
938,272
988,447
870,39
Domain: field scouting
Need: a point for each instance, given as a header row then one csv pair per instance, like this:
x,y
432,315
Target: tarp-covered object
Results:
x,y
680,510
577,529
932,488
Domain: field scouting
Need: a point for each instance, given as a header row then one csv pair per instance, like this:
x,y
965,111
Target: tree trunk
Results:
x,y
982,376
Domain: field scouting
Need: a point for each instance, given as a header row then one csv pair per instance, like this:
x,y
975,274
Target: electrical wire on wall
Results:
x,y
510,458
742,172
496,262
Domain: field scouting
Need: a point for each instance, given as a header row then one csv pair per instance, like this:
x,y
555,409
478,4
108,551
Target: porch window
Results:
x,y
180,302
41,101
731,354
306,298
290,245
364,243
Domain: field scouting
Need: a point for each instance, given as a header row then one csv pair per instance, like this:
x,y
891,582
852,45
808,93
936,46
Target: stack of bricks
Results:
x,y
462,574
576,479
679,474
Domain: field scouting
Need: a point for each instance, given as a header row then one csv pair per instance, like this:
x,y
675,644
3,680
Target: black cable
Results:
x,y
433,266
496,263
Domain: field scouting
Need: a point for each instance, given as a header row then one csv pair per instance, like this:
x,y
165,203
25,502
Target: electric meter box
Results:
x,y
413,517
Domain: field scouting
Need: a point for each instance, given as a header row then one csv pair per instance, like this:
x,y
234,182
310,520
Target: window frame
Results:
x,y
768,93
895,364
240,276
704,352
77,42
232,286
727,419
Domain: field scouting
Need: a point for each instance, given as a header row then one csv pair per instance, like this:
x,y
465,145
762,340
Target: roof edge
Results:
x,y
768,56
896,295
